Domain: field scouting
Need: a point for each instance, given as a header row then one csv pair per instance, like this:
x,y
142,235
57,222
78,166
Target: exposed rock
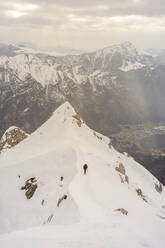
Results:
x,y
12,137
99,137
30,187
121,169
110,145
78,118
158,187
122,210
27,186
140,194
30,192
122,173
126,179
61,199
50,218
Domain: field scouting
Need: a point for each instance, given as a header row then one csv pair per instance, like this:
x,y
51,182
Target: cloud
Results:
x,y
112,7
69,22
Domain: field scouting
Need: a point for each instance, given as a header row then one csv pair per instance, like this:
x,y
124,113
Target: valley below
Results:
x,y
145,143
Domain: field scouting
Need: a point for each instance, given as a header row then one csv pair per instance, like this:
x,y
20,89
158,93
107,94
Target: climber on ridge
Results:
x,y
85,167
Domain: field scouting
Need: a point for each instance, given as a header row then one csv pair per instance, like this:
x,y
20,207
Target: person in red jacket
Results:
x,y
85,167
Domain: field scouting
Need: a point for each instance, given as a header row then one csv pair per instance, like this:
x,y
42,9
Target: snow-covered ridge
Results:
x,y
130,66
128,57
77,68
124,49
116,190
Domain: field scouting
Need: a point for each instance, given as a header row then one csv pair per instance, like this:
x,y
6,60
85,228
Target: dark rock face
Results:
x,y
30,192
30,187
23,104
64,197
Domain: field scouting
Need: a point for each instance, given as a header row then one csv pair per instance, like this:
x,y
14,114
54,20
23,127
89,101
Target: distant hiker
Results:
x,y
85,167
61,181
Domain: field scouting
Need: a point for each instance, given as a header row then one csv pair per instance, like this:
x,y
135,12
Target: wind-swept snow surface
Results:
x,y
117,204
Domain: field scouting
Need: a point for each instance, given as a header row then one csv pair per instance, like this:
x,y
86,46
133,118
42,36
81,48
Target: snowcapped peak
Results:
x,y
121,47
65,115
65,108
127,44
123,56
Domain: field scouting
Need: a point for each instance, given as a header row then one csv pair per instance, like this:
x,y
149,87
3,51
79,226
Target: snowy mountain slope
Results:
x,y
122,56
49,70
114,181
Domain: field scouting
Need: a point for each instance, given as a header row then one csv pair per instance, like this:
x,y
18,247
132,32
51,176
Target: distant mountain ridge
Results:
x,y
23,48
116,72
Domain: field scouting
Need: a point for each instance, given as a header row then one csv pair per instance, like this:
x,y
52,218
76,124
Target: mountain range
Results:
x,y
114,87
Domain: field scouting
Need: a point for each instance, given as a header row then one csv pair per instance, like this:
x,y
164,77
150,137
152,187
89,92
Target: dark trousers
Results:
x,y
85,170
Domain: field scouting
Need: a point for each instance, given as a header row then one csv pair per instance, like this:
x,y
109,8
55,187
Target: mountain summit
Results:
x,y
117,202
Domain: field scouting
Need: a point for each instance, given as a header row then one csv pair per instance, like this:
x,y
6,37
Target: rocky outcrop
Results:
x,y
121,169
78,119
12,137
140,194
64,197
30,187
158,187
122,173
122,210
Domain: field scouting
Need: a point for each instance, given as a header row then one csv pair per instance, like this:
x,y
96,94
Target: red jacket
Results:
x,y
85,166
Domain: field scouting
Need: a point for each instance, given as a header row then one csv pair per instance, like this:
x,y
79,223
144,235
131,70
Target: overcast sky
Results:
x,y
83,24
